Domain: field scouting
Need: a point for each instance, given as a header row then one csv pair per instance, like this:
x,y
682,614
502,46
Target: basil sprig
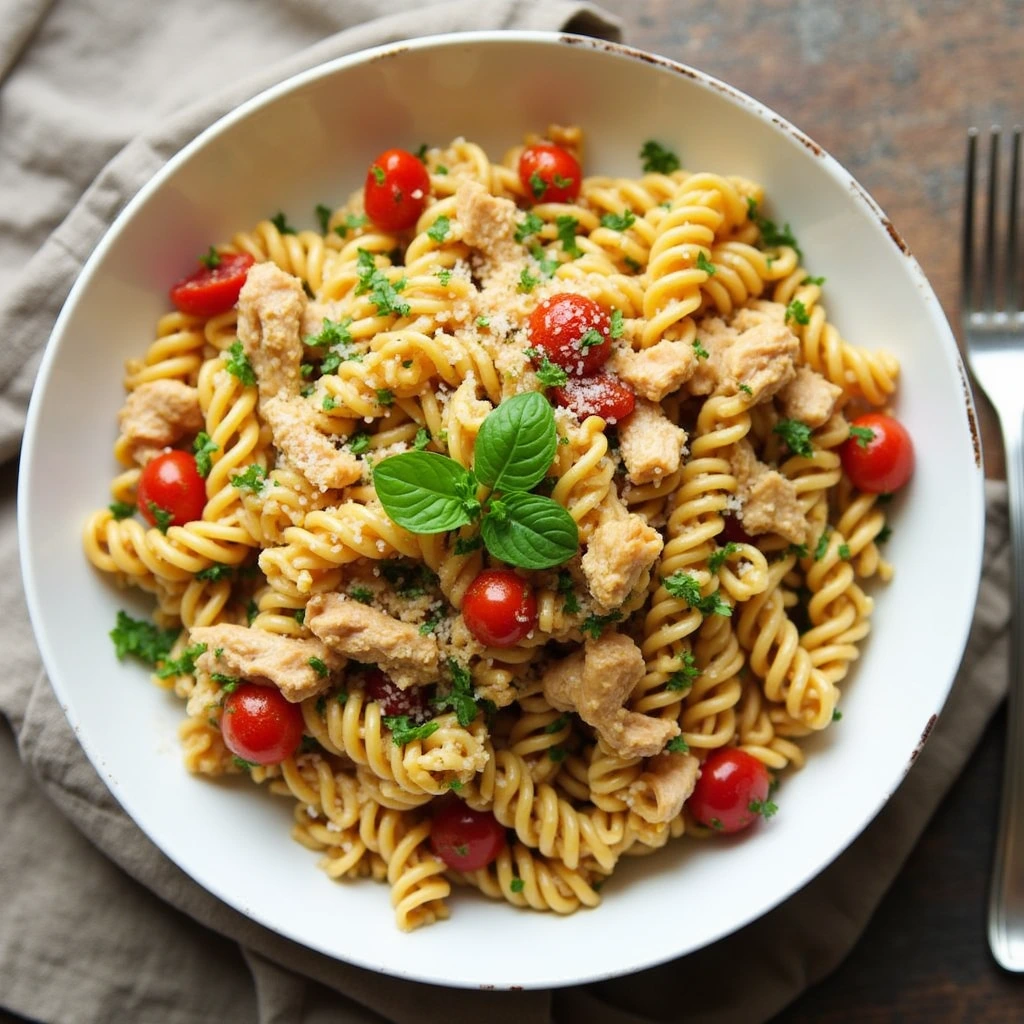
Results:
x,y
429,493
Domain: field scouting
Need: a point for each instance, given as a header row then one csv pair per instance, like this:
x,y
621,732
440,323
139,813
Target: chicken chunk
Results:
x,y
298,668
808,397
665,785
270,312
488,222
368,635
595,683
657,371
715,337
157,414
293,424
650,444
619,553
761,360
769,501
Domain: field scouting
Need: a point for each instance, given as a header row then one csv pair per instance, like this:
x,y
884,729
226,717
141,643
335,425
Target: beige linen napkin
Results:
x,y
96,925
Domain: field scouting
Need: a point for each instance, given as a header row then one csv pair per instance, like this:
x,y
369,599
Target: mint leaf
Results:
x,y
516,443
425,492
529,531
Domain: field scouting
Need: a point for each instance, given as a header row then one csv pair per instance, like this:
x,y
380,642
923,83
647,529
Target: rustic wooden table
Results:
x,y
889,88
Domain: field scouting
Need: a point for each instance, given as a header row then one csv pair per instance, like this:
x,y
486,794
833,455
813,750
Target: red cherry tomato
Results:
x,y
881,462
574,332
499,608
550,174
213,290
396,190
170,485
259,725
464,839
730,782
604,395
392,699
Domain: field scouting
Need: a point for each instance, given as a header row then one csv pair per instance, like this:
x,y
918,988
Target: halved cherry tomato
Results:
x,y
732,791
464,839
170,485
549,173
499,608
396,190
213,290
259,725
604,395
392,699
574,332
881,462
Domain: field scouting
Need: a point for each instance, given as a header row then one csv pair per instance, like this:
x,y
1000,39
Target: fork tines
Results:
x,y
999,286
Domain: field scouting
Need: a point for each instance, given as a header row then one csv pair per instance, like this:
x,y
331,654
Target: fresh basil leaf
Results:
x,y
530,531
423,491
516,443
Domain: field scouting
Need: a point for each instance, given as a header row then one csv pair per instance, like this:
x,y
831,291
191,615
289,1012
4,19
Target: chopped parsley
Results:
x,y
252,479
618,221
618,326
718,557
557,754
703,263
210,259
300,616
566,227
460,697
383,294
227,683
682,680
121,509
591,338
421,153
364,595
161,516
319,667
677,745
144,640
466,545
329,403
593,625
837,715
440,169
530,225
430,626
359,443
527,282
797,436
280,221
557,725
821,547
421,440
657,159
746,389
238,365
483,321
353,221
323,216
771,235
766,808
378,174
800,550
844,552
632,264
240,762
716,823
884,534
203,448
183,666
333,332
538,186
215,572
385,397
444,275
409,579
454,785
699,350
567,589
252,609
516,885
863,435
684,585
438,231
548,373
797,312
546,265
813,280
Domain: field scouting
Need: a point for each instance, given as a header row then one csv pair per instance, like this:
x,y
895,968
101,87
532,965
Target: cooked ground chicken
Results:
x,y
257,655
666,784
293,424
618,554
270,312
650,444
367,635
769,502
596,682
157,414
657,371
808,397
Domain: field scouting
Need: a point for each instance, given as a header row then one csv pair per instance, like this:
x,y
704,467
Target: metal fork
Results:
x,y
993,330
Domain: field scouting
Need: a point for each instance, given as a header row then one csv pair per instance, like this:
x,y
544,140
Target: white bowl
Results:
x,y
309,140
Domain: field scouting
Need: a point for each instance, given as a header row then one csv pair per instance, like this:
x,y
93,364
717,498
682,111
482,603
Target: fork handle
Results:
x,y
1006,900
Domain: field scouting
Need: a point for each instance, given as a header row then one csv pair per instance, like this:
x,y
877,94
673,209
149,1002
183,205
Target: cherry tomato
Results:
x,y
499,608
396,190
574,332
730,781
464,839
550,174
392,699
170,485
604,395
732,530
213,290
882,462
259,725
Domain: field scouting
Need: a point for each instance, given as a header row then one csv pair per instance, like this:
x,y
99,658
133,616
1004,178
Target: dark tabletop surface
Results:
x,y
889,89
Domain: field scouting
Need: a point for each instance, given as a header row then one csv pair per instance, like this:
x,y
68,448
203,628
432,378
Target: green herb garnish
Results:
x,y
237,364
797,436
146,641
657,159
